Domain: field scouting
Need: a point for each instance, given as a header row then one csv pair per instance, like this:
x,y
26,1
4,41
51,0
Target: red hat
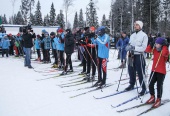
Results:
x,y
18,34
92,28
10,34
60,30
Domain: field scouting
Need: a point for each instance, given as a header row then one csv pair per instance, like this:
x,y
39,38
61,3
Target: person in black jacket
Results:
x,y
68,49
28,44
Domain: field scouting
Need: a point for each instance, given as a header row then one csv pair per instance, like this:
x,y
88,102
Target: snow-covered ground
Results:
x,y
24,93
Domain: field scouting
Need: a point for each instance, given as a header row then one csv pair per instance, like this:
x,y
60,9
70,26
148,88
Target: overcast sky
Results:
x,y
103,5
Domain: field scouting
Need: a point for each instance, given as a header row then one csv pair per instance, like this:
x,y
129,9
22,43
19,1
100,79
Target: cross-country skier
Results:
x,y
136,62
160,53
5,45
121,45
60,46
54,49
103,54
68,49
47,46
37,44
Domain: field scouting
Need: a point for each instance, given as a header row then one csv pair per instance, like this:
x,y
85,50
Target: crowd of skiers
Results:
x,y
93,52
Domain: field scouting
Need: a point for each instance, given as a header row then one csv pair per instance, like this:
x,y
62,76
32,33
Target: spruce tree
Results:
x,y
46,20
150,14
76,23
25,9
60,19
32,19
4,21
52,15
81,20
18,19
38,15
103,20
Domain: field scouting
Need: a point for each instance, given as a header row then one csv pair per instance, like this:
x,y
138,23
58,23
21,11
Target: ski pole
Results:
x,y
120,79
152,73
90,56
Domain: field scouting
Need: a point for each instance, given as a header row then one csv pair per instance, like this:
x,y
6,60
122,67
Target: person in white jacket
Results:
x,y
136,61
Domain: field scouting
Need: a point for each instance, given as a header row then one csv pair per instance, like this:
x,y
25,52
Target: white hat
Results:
x,y
140,23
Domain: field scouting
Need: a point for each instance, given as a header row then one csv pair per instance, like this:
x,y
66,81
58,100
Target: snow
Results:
x,y
22,93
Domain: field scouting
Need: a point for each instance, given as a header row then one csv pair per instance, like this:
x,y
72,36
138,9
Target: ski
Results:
x,y
127,101
98,88
79,76
163,102
74,84
113,94
71,82
82,89
130,108
68,74
46,71
78,89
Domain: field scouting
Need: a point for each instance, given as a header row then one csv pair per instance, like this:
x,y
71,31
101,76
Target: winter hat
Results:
x,y
68,31
60,30
9,34
86,28
43,31
18,34
160,40
38,36
101,30
140,23
92,28
52,33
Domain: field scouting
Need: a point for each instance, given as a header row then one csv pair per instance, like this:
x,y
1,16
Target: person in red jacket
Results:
x,y
160,52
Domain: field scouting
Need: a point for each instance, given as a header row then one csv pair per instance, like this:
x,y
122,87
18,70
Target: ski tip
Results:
x,y
94,97
113,106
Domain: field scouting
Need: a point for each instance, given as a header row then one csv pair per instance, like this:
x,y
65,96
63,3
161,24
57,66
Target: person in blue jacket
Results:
x,y
121,45
102,41
54,47
47,46
5,45
60,46
37,44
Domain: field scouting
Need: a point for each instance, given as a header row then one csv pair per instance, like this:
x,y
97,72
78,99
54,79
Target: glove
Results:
x,y
82,42
130,48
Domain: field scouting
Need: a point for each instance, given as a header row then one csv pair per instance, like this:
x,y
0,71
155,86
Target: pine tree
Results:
x,y
103,20
4,20
14,19
150,14
46,20
25,9
121,15
18,19
81,20
60,19
32,19
52,15
76,23
91,14
38,15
